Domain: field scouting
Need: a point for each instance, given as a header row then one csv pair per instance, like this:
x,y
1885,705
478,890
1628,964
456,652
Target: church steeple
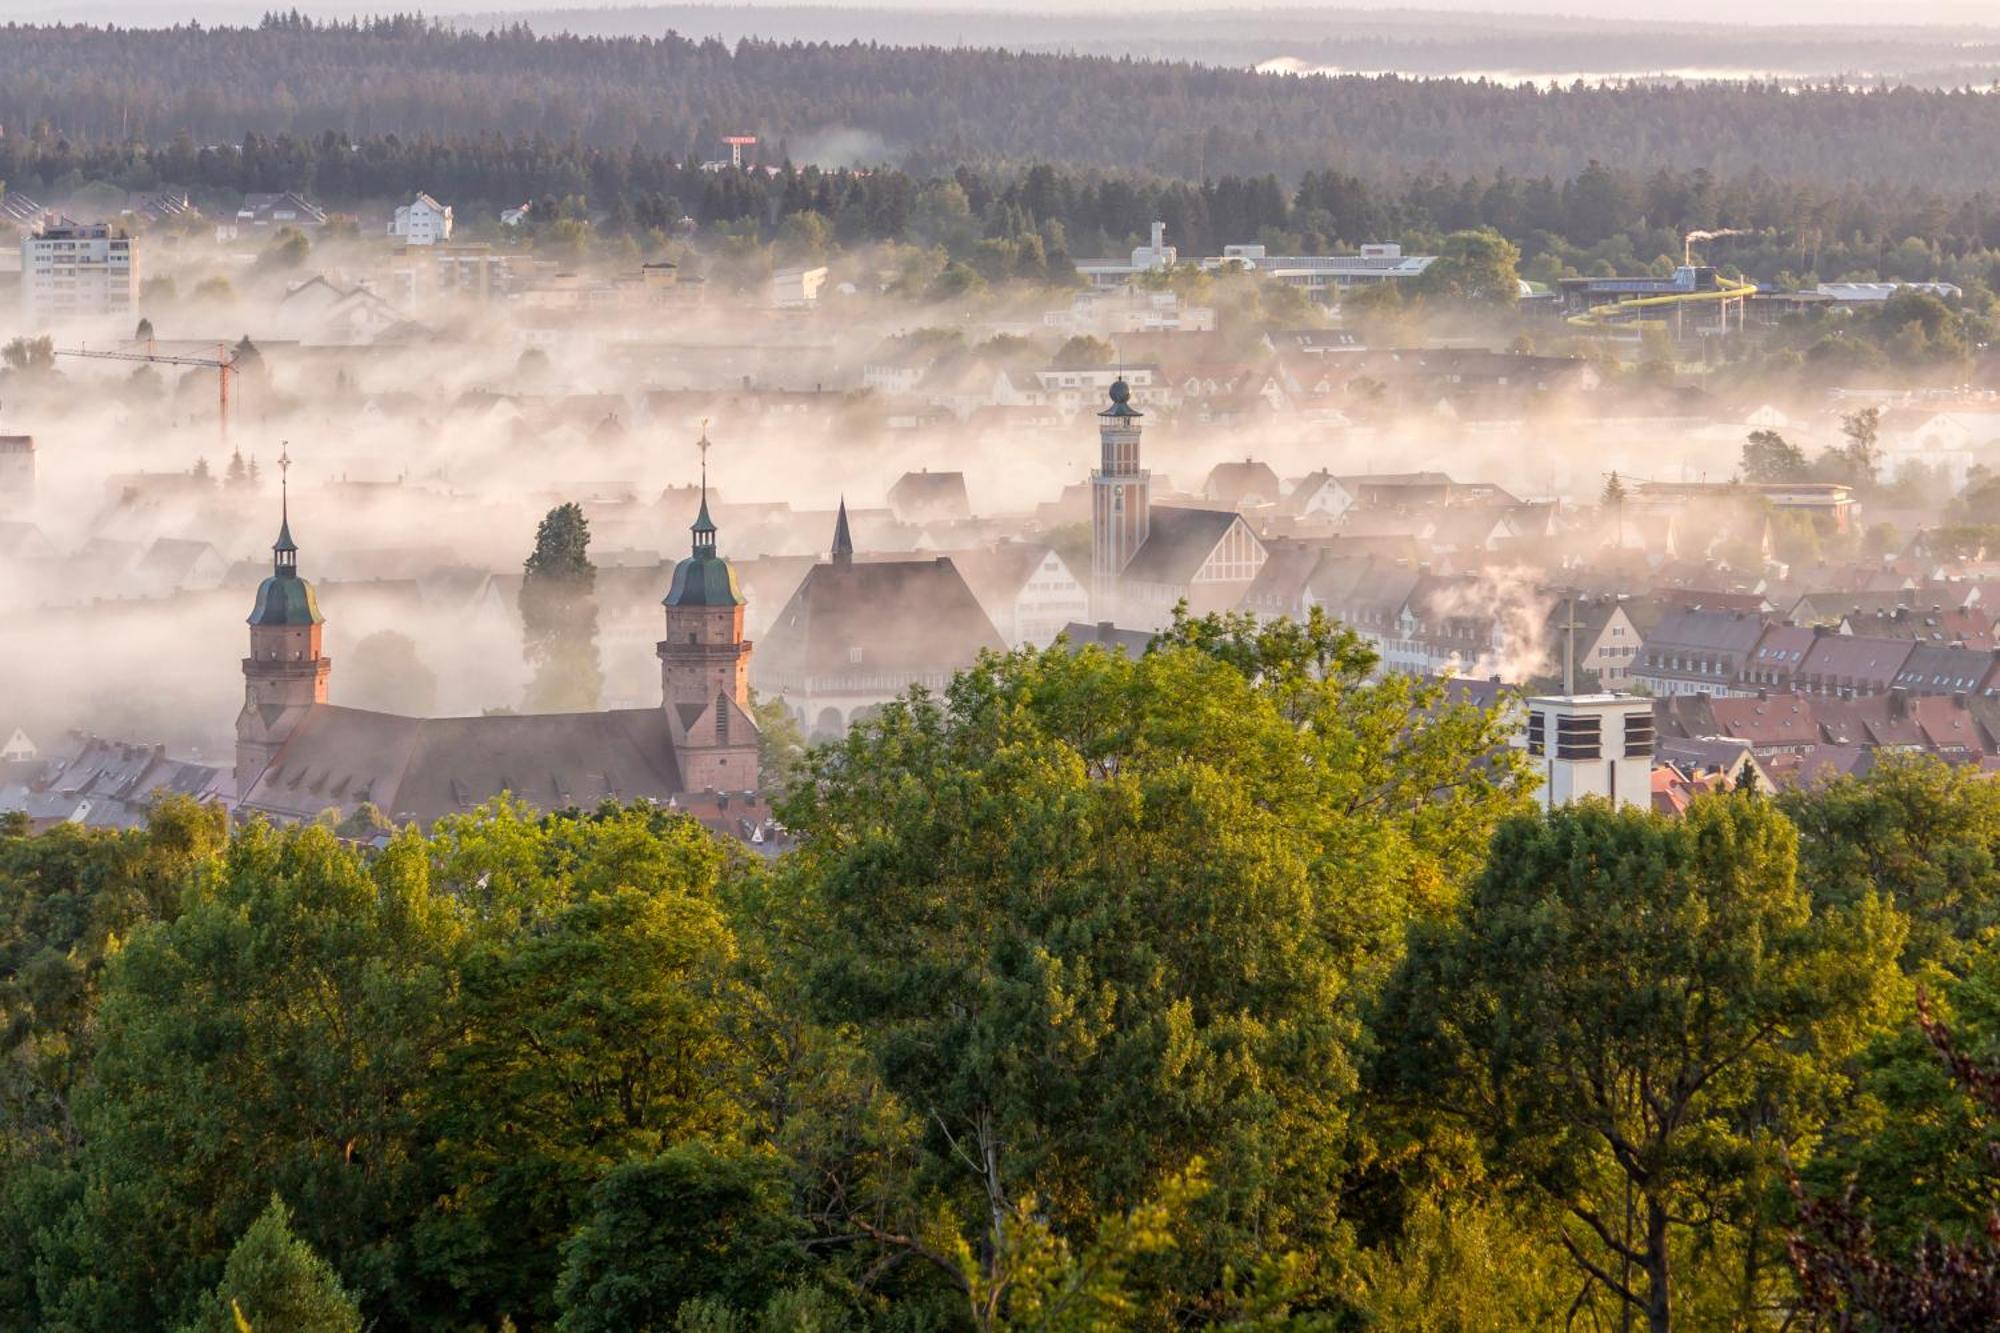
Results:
x,y
843,541
286,673
704,526
284,599
285,551
704,656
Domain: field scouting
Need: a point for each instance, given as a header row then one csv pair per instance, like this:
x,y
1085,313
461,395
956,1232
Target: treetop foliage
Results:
x,y
1220,986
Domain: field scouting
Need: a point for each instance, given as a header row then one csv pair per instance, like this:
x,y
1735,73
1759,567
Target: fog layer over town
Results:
x,y
429,431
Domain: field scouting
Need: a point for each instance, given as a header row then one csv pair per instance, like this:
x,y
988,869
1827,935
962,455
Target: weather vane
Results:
x,y
702,444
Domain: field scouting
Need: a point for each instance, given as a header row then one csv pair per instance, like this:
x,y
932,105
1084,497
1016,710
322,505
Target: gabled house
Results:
x,y
1028,590
422,221
1241,484
857,633
280,210
1849,666
930,497
1698,652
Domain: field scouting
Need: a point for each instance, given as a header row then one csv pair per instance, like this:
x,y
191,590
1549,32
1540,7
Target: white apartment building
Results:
x,y
422,221
71,270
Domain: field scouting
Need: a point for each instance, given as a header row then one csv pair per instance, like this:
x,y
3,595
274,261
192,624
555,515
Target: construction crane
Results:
x,y
223,363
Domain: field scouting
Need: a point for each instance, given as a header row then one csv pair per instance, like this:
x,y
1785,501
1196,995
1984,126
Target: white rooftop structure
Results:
x,y
1156,257
1869,292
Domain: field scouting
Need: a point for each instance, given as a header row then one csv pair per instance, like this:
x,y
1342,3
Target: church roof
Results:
x,y
425,768
285,599
704,580
878,616
1178,543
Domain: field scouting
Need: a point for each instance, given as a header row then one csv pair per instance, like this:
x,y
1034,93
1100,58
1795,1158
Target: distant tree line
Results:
x,y
937,107
1602,219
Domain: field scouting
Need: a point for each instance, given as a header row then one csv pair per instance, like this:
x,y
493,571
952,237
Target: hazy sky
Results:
x,y
1910,12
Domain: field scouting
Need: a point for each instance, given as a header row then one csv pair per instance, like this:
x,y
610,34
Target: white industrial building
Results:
x,y
1325,277
71,269
1157,257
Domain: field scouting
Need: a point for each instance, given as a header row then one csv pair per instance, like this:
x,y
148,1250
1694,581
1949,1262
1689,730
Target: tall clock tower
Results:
x,y
1120,500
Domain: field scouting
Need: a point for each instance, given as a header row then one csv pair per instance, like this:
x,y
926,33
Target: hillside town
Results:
x,y
1774,589
796,668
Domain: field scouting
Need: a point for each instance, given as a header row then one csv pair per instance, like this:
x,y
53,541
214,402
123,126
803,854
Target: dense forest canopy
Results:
x,y
1220,987
934,108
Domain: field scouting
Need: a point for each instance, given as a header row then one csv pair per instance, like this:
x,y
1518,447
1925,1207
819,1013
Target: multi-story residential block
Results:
x,y
71,270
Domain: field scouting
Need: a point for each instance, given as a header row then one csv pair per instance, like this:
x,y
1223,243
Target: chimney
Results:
x,y
1899,702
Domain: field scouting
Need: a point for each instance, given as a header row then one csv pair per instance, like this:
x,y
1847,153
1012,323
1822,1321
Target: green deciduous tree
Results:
x,y
587,1033
1096,916
1476,268
1768,457
691,1224
1924,833
1636,1015
279,1034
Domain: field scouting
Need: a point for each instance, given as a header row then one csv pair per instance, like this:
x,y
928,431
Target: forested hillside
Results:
x,y
935,109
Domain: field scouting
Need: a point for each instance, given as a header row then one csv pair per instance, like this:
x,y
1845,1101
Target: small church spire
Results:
x,y
843,542
704,526
284,552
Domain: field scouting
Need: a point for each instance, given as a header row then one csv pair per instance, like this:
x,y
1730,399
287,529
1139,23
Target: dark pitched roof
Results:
x,y
1105,635
897,615
1727,631
996,574
1941,669
425,768
1237,482
1178,543
927,493
1280,585
1848,659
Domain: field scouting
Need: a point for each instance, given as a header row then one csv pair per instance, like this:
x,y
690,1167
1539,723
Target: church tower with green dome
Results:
x,y
286,673
705,664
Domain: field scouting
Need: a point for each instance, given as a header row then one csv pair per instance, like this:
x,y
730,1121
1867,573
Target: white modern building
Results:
x,y
1325,277
1584,745
70,269
422,221
1156,257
